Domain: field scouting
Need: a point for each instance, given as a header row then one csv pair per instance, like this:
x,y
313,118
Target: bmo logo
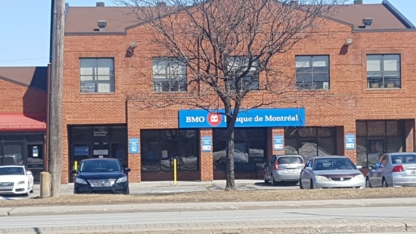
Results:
x,y
195,119
214,119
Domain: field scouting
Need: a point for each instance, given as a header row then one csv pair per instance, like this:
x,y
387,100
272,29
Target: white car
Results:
x,y
15,179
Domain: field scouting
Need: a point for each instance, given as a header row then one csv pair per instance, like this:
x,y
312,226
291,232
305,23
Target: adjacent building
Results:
x,y
23,95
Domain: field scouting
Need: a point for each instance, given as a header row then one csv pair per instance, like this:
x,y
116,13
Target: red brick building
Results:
x,y
367,80
23,116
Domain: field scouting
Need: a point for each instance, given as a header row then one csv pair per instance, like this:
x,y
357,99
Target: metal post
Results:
x,y
174,171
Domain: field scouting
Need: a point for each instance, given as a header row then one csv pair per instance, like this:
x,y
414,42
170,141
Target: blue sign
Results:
x,y
284,117
350,142
134,145
278,142
81,150
206,142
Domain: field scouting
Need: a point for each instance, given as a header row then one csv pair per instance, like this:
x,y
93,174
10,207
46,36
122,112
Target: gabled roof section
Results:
x,y
384,16
33,77
83,20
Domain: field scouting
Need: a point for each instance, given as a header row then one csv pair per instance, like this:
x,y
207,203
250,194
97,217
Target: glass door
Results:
x,y
35,160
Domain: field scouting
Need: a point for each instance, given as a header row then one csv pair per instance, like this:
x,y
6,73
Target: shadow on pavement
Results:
x,y
281,184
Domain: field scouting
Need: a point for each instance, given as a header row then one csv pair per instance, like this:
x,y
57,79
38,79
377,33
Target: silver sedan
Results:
x,y
331,172
393,169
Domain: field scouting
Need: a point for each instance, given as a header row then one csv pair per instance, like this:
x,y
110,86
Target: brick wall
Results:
x,y
18,99
347,100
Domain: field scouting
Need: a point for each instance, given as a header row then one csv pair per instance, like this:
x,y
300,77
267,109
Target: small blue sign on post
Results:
x,y
134,145
349,142
206,143
278,142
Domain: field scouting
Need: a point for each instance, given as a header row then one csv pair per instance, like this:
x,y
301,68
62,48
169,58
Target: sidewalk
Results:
x,y
165,207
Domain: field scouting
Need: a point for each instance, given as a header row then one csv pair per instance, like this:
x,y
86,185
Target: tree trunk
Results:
x,y
230,155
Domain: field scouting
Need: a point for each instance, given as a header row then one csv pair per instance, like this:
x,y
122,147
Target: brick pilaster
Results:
x,y
206,158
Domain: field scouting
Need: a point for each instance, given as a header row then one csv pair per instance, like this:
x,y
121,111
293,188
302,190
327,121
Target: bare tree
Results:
x,y
232,51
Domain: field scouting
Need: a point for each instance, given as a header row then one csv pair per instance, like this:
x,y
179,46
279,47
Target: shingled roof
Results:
x,y
84,19
33,77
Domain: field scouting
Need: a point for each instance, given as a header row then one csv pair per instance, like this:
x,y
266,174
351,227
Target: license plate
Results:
x,y
106,185
290,170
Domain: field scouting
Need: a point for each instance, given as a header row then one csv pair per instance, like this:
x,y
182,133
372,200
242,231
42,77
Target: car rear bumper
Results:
x,y
340,184
86,188
286,176
404,181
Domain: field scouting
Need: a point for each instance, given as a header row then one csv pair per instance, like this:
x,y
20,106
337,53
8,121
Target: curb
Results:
x,y
312,226
163,207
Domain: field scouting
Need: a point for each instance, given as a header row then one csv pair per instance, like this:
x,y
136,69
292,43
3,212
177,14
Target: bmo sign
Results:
x,y
213,119
283,117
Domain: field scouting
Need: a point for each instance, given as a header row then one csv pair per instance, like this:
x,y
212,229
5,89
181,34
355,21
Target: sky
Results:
x,y
25,28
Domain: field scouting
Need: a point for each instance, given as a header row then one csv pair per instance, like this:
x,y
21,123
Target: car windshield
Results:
x,y
12,171
100,166
403,159
290,160
333,164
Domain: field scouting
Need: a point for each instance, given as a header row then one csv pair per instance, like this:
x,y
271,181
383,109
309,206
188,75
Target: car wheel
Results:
x,y
311,185
367,183
265,180
127,191
384,183
274,182
300,184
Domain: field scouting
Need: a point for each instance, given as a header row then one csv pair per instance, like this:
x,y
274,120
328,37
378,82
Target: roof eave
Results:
x,y
384,30
94,33
398,14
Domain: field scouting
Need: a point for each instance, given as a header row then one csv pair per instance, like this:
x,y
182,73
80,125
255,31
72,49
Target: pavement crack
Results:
x,y
9,212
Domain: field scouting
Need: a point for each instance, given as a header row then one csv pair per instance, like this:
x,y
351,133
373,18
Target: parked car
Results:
x,y
331,172
15,180
101,175
393,169
283,168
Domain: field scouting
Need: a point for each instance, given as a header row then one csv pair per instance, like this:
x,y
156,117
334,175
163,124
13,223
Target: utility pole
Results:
x,y
55,103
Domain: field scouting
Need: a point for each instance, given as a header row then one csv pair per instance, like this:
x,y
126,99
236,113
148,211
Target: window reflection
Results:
x,y
160,147
250,145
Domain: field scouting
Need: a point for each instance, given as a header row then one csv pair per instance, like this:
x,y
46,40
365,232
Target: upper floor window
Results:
x,y
383,71
169,75
312,72
97,75
240,65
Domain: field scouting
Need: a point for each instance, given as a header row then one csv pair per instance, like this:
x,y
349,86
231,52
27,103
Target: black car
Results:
x,y
101,175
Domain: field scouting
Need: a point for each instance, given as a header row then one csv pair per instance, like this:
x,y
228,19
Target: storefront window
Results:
x,y
378,137
23,149
160,147
250,145
310,141
362,151
12,153
376,128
